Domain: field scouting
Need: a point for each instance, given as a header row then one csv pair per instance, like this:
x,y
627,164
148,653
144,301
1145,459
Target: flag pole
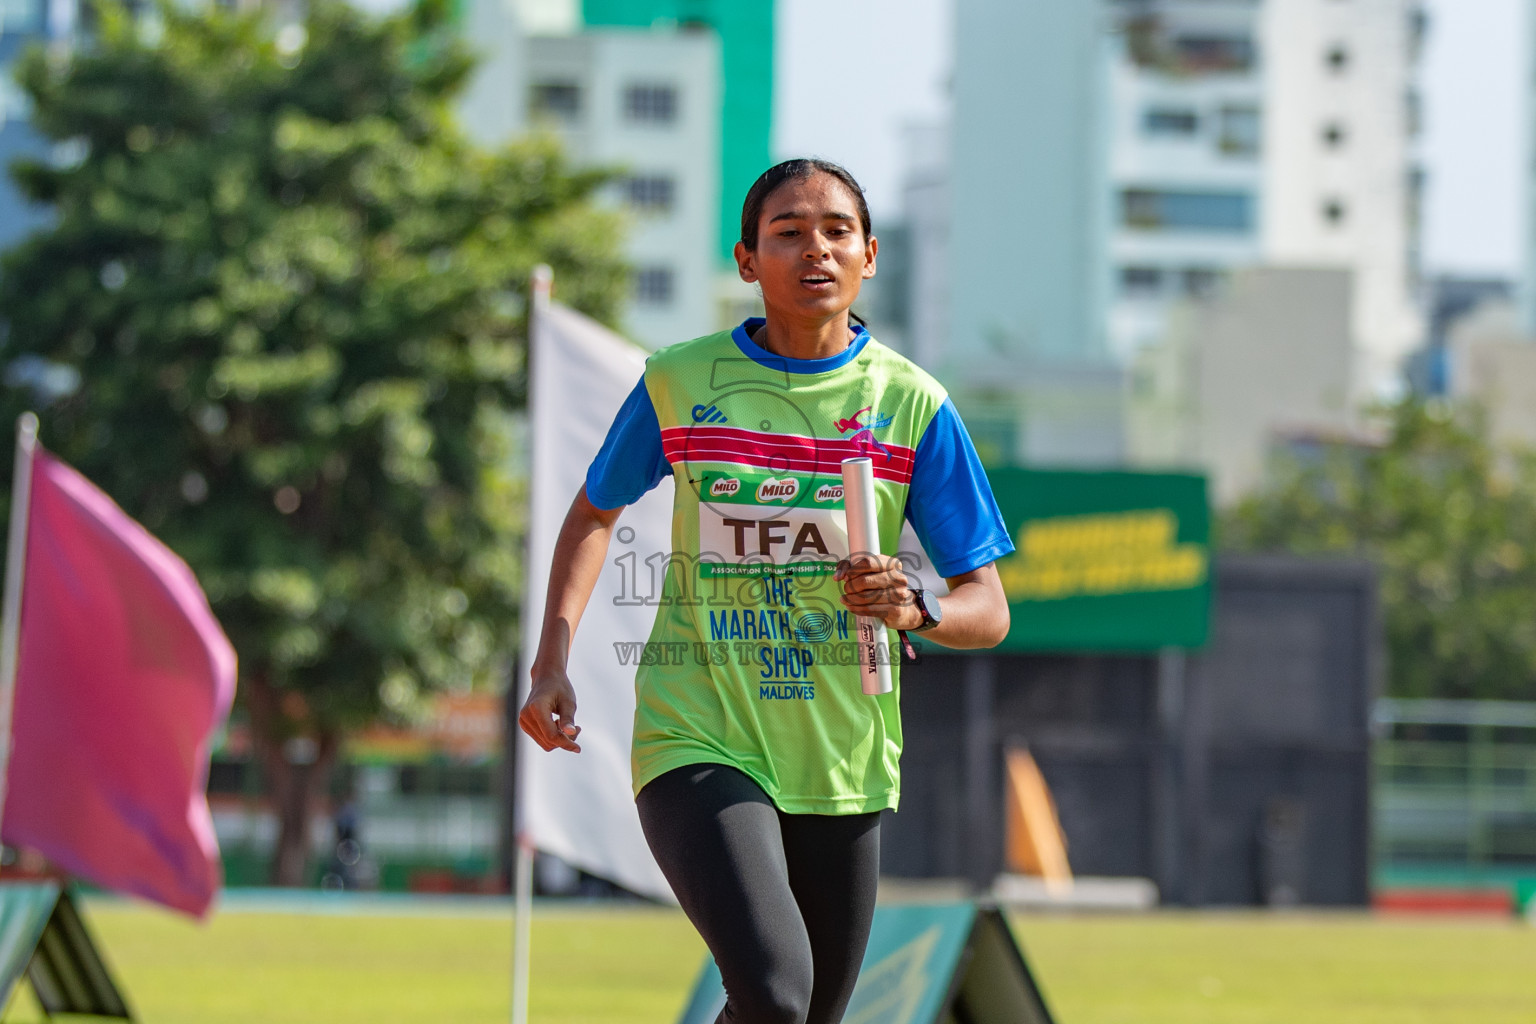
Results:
x,y
15,569
522,930
522,938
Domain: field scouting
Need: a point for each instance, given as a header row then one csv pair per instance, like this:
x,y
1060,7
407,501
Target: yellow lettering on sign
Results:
x,y
1102,554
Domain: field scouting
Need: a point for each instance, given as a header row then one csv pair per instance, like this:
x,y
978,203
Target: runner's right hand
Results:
x,y
549,713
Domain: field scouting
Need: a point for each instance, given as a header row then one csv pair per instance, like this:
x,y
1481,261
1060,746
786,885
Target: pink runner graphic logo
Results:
x,y
863,434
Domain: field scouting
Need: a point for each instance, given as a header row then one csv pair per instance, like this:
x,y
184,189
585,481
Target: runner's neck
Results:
x,y
816,341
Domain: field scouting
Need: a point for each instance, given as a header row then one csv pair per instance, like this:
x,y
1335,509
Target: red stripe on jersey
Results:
x,y
783,452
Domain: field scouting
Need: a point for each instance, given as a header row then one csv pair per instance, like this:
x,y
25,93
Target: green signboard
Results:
x,y
1109,561
933,963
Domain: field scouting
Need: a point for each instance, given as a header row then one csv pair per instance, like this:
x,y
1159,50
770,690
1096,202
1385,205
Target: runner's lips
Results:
x,y
818,279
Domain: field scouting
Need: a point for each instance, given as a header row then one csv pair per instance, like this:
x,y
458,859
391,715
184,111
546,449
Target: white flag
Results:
x,y
579,807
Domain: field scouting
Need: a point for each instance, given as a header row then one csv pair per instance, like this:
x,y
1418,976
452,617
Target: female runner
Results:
x,y
760,767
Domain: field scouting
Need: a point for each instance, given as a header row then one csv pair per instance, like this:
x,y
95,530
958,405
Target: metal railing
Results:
x,y
1455,786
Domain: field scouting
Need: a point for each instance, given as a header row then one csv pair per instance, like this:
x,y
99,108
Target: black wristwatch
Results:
x,y
928,604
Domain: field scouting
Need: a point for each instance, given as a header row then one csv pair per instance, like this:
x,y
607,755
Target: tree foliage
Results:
x,y
1451,523
293,294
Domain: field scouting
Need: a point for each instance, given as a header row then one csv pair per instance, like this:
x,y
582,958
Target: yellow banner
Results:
x,y
1100,554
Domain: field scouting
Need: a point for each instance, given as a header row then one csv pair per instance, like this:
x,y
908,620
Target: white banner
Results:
x,y
579,806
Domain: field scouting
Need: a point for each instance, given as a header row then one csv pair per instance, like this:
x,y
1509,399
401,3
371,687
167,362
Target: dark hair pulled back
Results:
x,y
794,170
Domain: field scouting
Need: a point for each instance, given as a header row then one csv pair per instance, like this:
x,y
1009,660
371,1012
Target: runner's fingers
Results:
x,y
547,718
530,725
894,584
864,597
883,611
890,579
549,732
535,725
890,597
864,563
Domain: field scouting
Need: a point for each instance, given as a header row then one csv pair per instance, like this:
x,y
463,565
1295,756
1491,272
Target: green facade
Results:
x,y
745,28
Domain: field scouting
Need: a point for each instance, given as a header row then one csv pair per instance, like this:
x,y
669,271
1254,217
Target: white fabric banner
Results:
x,y
579,806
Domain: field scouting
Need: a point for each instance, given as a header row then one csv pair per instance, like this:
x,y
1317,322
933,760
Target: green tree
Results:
x,y
293,295
1450,522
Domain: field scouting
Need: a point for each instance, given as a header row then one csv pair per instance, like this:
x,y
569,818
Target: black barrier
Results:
x,y
1238,774
925,963
43,937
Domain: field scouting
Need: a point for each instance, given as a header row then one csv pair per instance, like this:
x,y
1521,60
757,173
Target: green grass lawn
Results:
x,y
635,966
1173,968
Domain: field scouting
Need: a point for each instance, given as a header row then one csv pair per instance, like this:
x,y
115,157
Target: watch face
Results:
x,y
930,605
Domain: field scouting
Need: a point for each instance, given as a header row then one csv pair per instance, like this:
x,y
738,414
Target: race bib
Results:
x,y
761,524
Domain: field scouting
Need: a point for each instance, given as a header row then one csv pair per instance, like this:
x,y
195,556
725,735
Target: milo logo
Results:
x,y
829,492
724,487
778,490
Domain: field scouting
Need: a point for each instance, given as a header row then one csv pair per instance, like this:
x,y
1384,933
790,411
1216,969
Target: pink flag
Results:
x,y
123,677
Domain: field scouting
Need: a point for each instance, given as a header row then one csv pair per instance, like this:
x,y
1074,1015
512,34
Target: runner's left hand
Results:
x,y
874,585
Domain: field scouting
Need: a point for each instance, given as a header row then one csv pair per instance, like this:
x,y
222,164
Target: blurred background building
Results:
x,y
744,113
677,97
648,103
1113,161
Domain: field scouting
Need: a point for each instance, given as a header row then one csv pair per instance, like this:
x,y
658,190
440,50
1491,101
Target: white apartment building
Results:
x,y
1112,158
648,103
1341,180
644,102
1185,104
1266,131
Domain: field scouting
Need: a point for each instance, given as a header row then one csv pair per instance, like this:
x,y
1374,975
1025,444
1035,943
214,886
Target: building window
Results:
x,y
558,100
653,286
1334,212
652,193
1337,58
1240,131
1414,200
1140,282
1213,53
1418,31
1225,212
650,103
1334,134
1201,282
1151,44
1170,121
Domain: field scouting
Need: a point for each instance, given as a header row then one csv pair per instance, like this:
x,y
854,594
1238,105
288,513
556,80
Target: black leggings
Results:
x,y
783,901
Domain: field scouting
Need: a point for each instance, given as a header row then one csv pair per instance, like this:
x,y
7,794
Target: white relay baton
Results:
x,y
864,535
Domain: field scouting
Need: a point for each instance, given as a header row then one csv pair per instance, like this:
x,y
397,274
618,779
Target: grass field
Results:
x,y
450,966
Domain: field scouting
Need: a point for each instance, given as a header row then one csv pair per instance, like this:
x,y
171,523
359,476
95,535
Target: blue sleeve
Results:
x,y
950,503
631,461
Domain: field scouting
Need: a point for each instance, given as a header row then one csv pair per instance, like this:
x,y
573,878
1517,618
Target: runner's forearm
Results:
x,y
975,612
578,561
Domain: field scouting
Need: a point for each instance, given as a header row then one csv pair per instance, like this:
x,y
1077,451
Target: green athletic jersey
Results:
x,y
752,660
